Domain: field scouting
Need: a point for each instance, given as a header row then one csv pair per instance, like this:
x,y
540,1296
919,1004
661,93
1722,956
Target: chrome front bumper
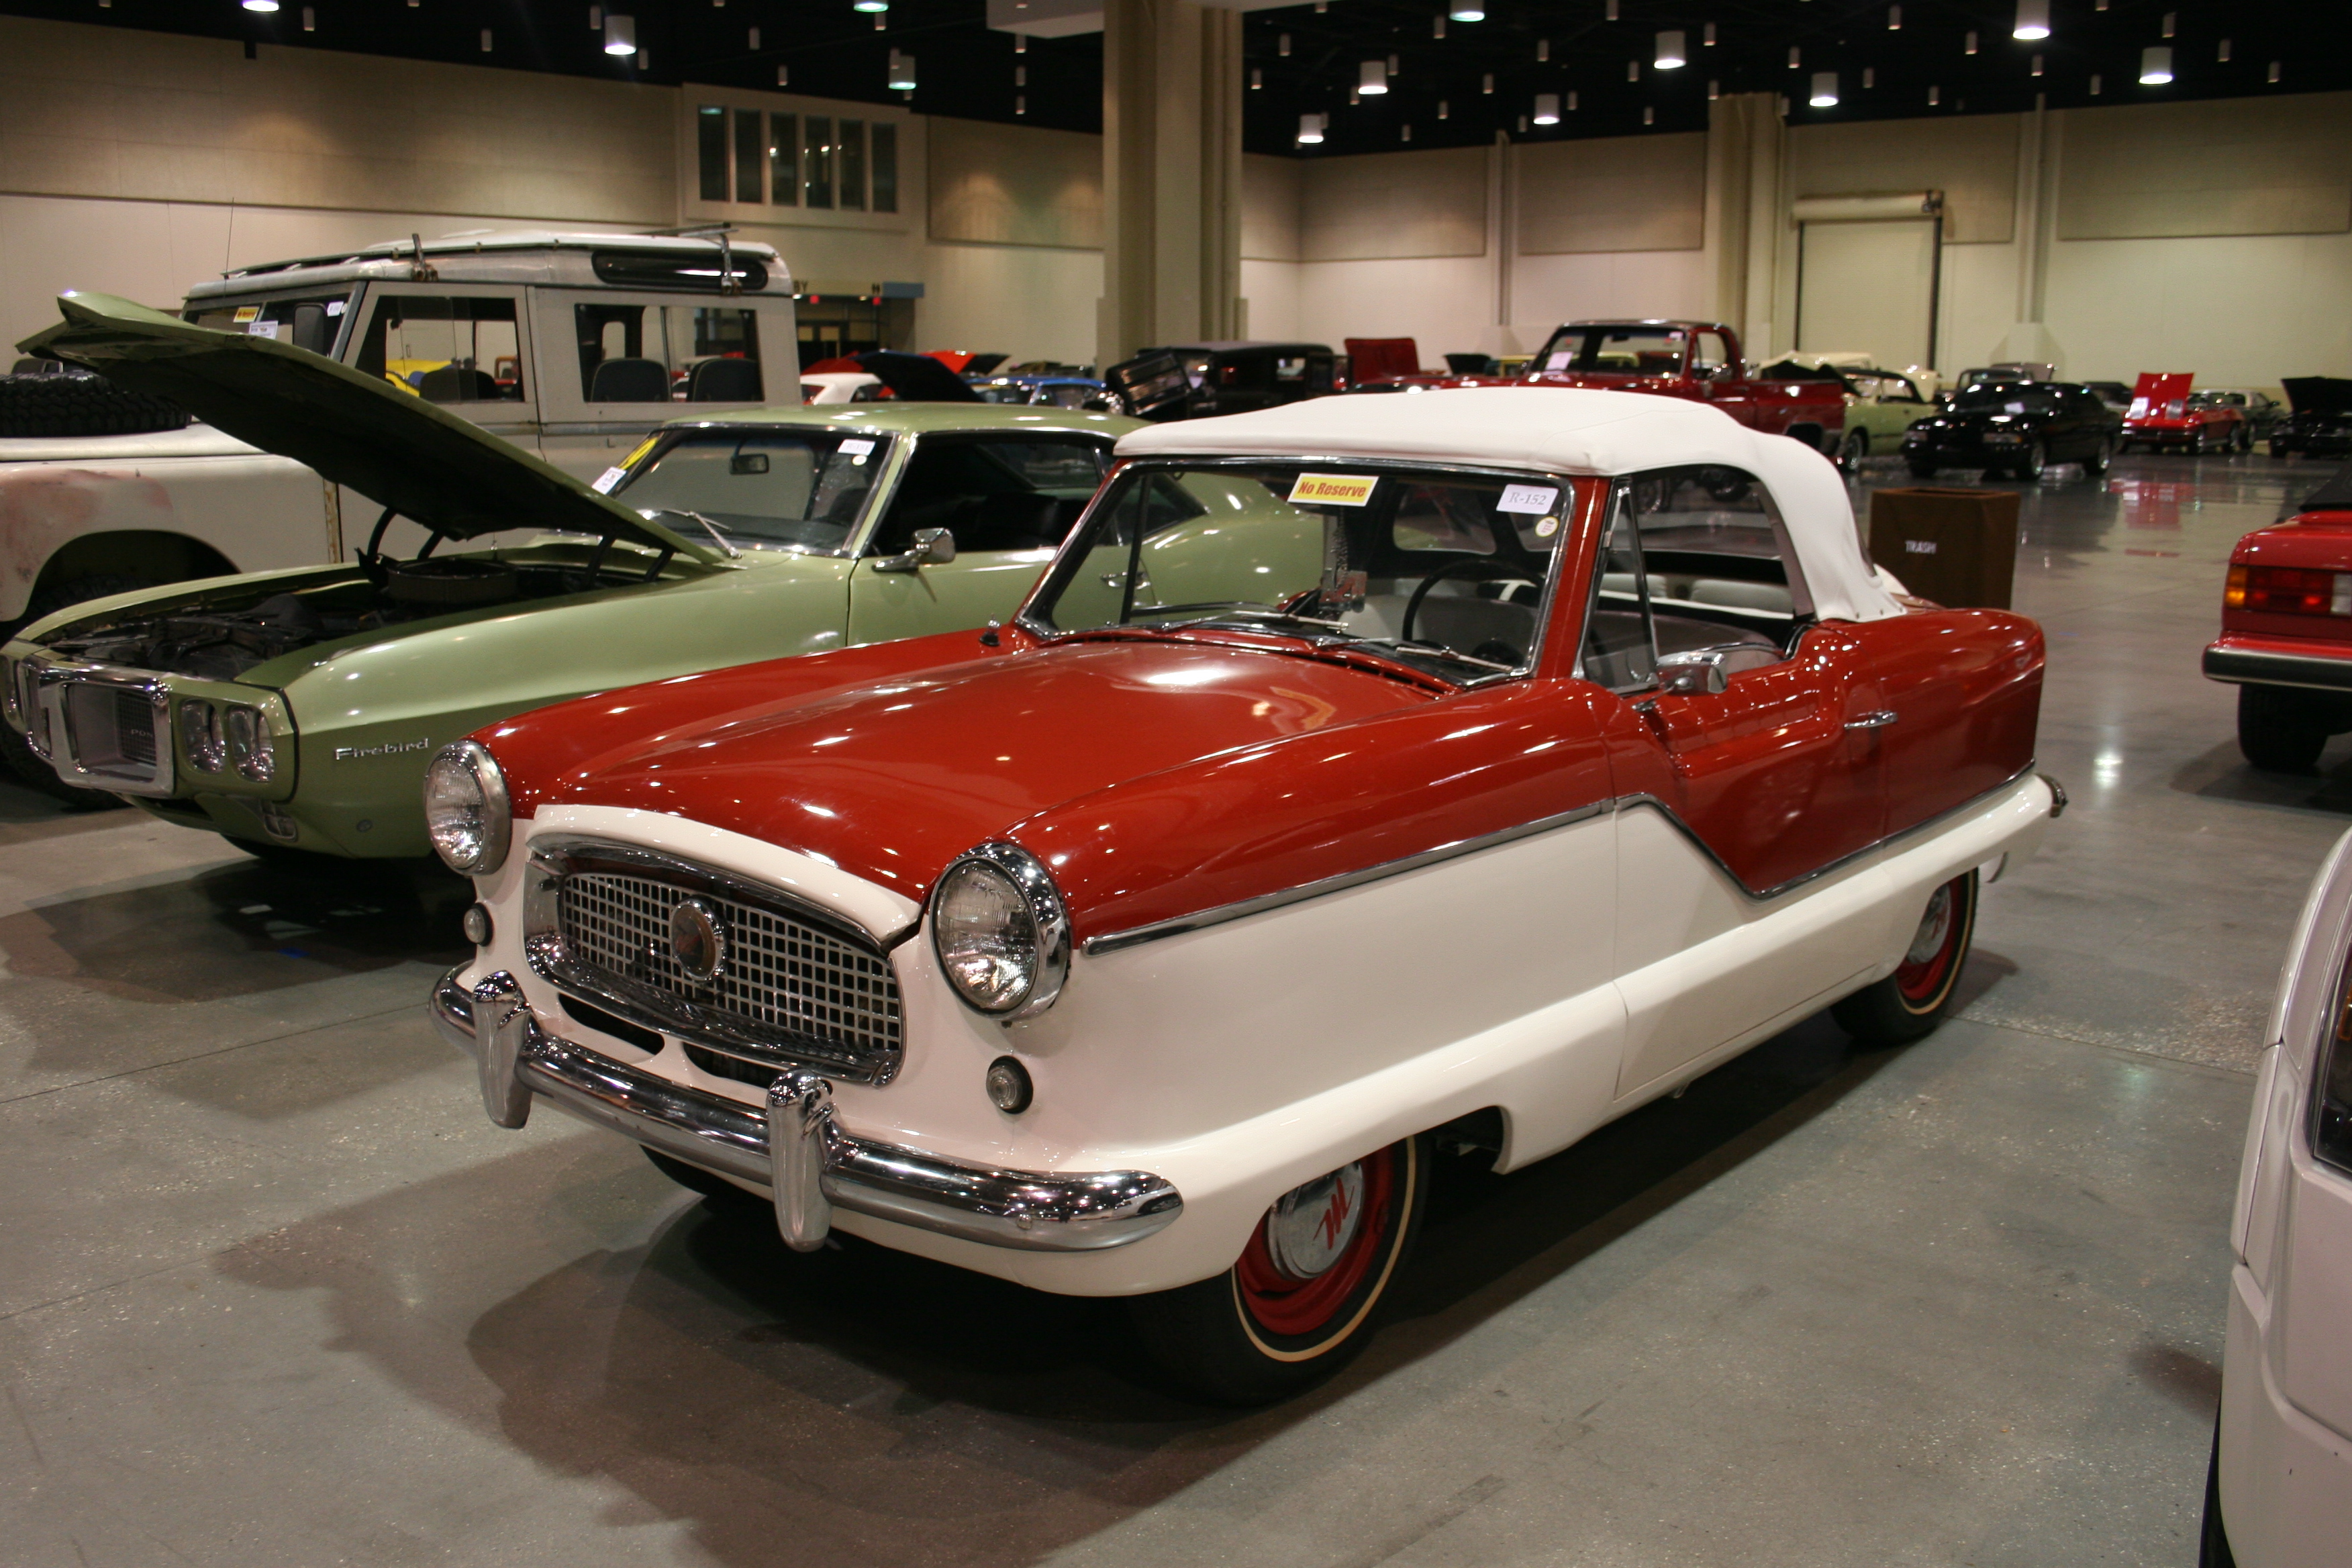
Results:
x,y
815,1167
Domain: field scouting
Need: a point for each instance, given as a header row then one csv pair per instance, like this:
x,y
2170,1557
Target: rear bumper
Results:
x,y
2242,661
815,1167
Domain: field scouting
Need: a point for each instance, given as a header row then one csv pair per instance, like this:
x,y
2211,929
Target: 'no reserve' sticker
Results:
x,y
1333,490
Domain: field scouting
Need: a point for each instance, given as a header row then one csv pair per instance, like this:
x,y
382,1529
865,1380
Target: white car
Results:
x,y
2279,1491
829,386
1366,774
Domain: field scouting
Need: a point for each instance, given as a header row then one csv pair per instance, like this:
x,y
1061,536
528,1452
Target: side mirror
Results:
x,y
1692,674
933,547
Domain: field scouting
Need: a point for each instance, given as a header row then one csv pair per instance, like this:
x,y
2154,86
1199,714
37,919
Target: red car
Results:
x,y
2165,416
1697,360
2286,631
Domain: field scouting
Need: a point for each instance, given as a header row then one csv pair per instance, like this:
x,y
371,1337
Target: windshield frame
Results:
x,y
1440,666
886,479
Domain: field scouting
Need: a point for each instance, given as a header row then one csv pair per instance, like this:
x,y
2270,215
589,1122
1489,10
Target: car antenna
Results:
x,y
419,270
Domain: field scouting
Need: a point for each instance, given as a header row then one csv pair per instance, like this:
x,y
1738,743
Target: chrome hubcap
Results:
x,y
1934,927
1311,1225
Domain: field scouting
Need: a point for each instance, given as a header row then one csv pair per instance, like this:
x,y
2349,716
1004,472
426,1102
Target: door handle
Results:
x,y
1878,721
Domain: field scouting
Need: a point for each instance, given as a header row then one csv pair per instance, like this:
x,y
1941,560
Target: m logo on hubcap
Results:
x,y
698,939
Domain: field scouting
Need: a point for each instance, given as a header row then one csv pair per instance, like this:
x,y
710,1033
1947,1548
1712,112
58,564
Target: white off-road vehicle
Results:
x,y
573,346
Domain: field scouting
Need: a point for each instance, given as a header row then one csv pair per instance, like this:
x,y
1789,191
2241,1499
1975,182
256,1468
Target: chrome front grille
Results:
x,y
107,730
797,987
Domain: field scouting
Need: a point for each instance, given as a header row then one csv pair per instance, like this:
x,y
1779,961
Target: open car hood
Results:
x,y
2319,394
427,465
917,378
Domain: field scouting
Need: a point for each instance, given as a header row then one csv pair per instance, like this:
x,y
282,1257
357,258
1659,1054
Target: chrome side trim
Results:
x,y
1764,896
1113,942
1029,1211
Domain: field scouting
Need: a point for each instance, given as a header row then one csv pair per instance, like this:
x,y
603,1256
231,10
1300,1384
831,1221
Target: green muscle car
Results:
x,y
295,711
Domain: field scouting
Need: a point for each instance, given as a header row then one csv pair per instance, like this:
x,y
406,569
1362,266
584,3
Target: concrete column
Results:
x,y
1745,212
2029,340
1172,177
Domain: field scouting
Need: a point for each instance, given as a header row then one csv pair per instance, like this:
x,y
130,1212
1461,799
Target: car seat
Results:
x,y
455,382
724,381
629,381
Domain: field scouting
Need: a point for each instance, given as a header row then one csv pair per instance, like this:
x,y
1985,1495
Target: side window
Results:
x,y
666,353
310,323
1619,652
446,348
993,494
1711,356
1710,570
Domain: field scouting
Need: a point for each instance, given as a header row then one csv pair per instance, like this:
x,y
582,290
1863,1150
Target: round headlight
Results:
x,y
251,746
200,731
466,814
1000,932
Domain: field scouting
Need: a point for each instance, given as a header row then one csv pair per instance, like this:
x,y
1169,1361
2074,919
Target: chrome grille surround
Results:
x,y
100,727
801,985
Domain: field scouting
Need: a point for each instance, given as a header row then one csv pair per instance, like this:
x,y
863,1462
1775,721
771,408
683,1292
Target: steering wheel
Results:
x,y
1447,569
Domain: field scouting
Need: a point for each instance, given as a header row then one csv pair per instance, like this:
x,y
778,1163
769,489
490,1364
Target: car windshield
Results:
x,y
793,490
1627,350
1445,571
1996,398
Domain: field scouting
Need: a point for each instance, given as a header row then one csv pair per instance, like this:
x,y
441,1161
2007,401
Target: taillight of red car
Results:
x,y
2288,591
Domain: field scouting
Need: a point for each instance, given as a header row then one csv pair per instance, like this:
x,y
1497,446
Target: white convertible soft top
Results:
x,y
1561,430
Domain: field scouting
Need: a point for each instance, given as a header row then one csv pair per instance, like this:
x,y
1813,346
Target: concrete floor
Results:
x,y
272,1292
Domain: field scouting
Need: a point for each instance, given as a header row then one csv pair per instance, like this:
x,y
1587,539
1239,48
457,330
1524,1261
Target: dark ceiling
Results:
x,y
1307,59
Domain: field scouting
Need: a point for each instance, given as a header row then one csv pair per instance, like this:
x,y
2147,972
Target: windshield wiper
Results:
x,y
1235,612
712,529
1434,650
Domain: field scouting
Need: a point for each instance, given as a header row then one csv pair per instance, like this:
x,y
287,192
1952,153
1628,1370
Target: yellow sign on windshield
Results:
x,y
1333,490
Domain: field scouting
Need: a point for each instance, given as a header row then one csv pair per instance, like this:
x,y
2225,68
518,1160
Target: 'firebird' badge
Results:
x,y
698,940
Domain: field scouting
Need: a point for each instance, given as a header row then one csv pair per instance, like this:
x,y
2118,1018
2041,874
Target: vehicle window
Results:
x,y
1631,349
2331,1099
1445,571
1710,567
312,321
993,494
1996,398
1710,355
668,353
446,348
797,489
1619,651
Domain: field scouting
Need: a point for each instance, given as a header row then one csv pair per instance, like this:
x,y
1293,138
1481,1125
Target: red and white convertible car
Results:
x,y
1362,772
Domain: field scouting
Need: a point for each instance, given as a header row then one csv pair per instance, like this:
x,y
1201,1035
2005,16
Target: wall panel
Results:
x,y
2233,166
1972,159
1394,204
1615,193
1015,184
1272,190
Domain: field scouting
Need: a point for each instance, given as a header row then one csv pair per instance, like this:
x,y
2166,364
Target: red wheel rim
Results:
x,y
1290,1308
1926,968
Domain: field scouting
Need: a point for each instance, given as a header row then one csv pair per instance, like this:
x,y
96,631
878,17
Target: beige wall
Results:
x,y
1971,159
1617,192
2238,166
1009,185
1394,204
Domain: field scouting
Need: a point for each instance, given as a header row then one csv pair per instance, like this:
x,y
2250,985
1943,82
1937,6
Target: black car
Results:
x,y
2321,424
1189,380
2016,427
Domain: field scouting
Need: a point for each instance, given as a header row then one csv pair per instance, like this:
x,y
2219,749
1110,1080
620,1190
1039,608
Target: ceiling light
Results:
x,y
1571,101
1441,108
1310,129
2275,73
2033,20
1407,133
870,5
1895,18
1970,48
1546,108
1935,96
2037,65
1282,45
1825,90
1707,38
1467,10
1632,70
1258,80
1870,75
596,18
2170,18
1610,15
1670,52
1649,115
1713,90
2156,64
902,72
2094,84
261,5
1794,57
1372,77
2223,57
1437,26
1486,83
755,40
783,76
620,34
1543,51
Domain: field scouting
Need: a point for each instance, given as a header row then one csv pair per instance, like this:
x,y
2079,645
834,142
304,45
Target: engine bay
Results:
x,y
219,642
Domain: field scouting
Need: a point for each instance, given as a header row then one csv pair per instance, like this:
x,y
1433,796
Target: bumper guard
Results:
x,y
815,1167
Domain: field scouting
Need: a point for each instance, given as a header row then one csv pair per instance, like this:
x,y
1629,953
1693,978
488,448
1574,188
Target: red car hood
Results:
x,y
893,778
2317,540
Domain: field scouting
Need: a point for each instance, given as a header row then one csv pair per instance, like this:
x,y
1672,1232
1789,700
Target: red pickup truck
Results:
x,y
1697,360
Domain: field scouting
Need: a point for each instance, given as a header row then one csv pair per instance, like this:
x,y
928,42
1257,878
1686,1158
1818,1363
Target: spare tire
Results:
x,y
79,403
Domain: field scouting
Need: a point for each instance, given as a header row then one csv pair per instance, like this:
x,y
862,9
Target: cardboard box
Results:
x,y
1956,547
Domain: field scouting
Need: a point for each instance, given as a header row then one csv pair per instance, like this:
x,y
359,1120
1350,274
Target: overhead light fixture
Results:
x,y
1310,129
1019,104
1441,108
1825,90
1467,11
1372,77
1649,115
2170,18
1971,47
2094,84
1794,57
783,76
1571,101
2033,20
1543,51
1546,108
2223,57
1713,90
1487,84
1282,46
902,72
1258,80
2037,65
2275,73
755,40
1437,26
2156,64
1670,52
1632,70
620,34
1895,18
875,5
1407,135
261,5
1707,38
1870,77
1610,13
485,40
311,25
1935,96
1020,43
1392,65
